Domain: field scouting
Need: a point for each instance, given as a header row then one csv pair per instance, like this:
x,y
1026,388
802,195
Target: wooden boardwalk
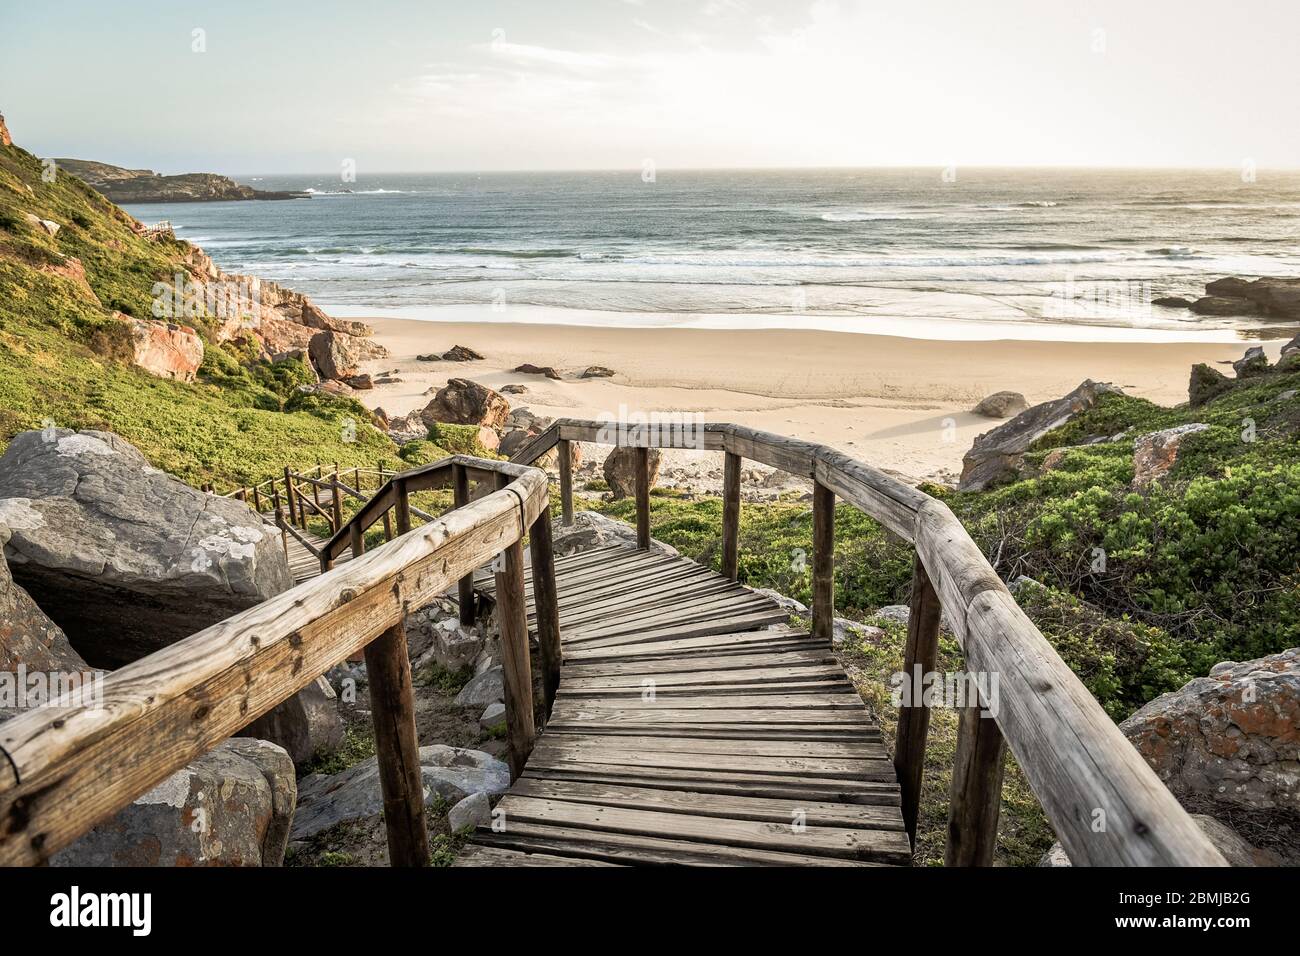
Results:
x,y
693,726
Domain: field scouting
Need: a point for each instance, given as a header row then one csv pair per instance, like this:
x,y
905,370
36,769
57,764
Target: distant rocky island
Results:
x,y
144,185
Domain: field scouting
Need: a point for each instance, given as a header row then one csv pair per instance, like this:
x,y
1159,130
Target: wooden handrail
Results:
x,y
1106,804
70,765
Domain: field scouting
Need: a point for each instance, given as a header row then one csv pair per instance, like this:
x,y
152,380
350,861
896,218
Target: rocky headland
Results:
x,y
144,185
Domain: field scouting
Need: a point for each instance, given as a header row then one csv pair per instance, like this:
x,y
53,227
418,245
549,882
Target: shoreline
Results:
x,y
902,404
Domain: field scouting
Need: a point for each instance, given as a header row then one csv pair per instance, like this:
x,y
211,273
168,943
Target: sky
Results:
x,y
281,87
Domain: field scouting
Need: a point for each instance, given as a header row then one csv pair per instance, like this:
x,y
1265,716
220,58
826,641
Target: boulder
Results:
x,y
474,810
996,455
1206,383
336,355
895,613
124,558
620,470
430,357
305,725
164,348
230,807
27,636
460,353
1253,363
72,270
598,371
1001,405
360,382
1172,302
493,716
529,369
1223,305
485,688
1292,346
314,318
1227,841
1229,287
448,773
1232,737
513,389
1155,454
590,529
462,402
443,639
406,428
282,338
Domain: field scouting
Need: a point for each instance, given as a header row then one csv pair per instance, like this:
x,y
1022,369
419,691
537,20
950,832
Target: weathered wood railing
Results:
x,y
1106,805
70,765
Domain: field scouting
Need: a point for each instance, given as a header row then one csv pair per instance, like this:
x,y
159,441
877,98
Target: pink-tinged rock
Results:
x,y
462,402
72,270
620,470
315,318
5,138
165,349
1232,737
1154,455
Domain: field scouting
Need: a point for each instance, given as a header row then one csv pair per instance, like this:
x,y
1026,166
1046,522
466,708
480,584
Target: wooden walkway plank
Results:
x,y
693,727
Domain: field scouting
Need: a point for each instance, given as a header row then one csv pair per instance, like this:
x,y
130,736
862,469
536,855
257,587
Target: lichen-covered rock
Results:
x,y
231,807
485,688
462,402
449,773
474,810
1155,454
124,558
1233,736
620,470
996,455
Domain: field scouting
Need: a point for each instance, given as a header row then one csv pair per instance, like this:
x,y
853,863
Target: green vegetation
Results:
x,y
358,745
65,358
1139,591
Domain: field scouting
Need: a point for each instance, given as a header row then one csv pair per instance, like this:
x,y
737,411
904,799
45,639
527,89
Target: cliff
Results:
x,y
144,185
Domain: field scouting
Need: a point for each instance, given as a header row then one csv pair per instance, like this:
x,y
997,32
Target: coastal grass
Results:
x,y
65,357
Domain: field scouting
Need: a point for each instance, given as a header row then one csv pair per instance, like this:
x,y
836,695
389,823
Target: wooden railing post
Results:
x,y
337,504
976,790
823,565
566,482
403,506
257,500
288,493
546,600
731,516
392,708
465,587
643,498
920,658
512,619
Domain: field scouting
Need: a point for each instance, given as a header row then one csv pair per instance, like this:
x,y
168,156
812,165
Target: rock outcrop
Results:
x,y
231,807
449,773
620,470
1253,363
125,558
462,402
598,371
996,455
5,138
1235,296
461,353
165,349
1155,454
1232,737
1001,405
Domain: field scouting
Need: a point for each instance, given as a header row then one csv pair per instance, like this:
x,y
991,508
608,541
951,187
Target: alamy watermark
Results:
x,y
952,689
229,298
651,429
22,689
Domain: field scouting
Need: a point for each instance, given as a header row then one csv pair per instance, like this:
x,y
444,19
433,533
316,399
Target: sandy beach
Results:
x,y
899,403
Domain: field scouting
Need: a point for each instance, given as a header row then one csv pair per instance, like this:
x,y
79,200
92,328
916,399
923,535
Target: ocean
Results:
x,y
987,253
